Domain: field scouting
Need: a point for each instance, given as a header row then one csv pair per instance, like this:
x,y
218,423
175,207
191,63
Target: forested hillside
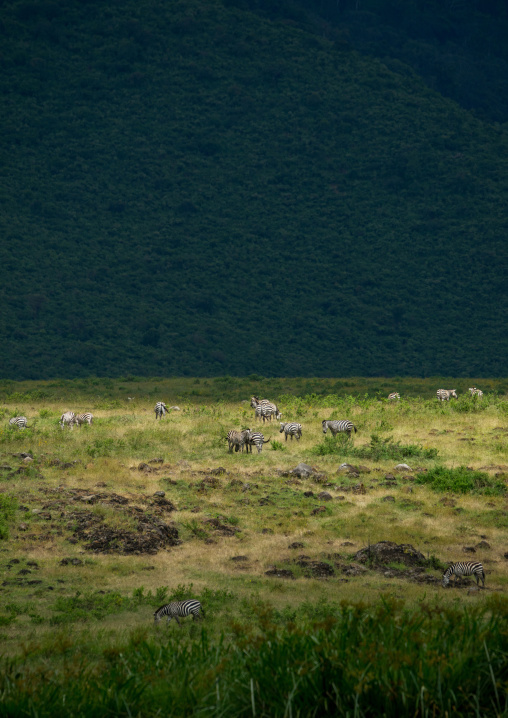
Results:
x,y
196,188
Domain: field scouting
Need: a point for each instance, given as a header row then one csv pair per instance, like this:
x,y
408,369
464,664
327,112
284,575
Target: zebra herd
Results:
x,y
69,418
444,394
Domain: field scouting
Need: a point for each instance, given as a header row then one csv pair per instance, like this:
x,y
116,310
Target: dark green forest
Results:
x,y
231,186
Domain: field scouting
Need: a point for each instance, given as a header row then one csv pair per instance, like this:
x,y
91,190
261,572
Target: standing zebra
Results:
x,y
85,418
179,609
394,396
446,394
67,419
255,438
475,392
160,410
264,409
337,426
464,568
237,439
20,421
291,429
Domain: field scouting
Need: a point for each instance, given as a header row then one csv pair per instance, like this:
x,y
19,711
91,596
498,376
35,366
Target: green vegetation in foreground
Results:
x,y
319,660
377,450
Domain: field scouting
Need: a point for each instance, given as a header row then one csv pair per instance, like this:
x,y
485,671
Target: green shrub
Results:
x,y
461,480
8,508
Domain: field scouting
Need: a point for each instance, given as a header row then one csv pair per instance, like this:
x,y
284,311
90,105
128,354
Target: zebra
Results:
x,y
160,409
85,418
394,396
20,421
67,419
236,439
291,429
255,438
475,392
265,409
464,568
179,609
446,394
337,426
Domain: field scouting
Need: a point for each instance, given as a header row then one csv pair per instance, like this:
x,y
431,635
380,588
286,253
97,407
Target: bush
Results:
x,y
8,507
461,480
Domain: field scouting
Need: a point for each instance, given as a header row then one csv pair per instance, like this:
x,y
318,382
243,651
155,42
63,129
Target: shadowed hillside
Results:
x,y
190,188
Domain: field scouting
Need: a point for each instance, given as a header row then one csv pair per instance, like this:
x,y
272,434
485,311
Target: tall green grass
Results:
x,y
320,660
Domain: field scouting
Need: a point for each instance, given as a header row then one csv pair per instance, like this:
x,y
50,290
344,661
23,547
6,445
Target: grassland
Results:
x,y
88,549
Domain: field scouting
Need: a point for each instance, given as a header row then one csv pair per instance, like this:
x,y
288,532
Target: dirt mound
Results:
x,y
152,534
385,552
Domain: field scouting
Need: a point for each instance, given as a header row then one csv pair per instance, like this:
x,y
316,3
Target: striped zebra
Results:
x,y
291,429
160,410
394,396
338,426
20,421
85,418
67,419
179,609
475,392
237,439
446,394
265,409
255,438
464,568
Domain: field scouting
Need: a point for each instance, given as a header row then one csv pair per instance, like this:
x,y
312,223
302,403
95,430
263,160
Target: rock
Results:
x,y
347,543
390,477
295,544
308,494
359,489
319,510
325,496
267,531
469,549
27,460
23,527
388,498
218,471
71,561
483,544
143,466
156,461
160,493
239,559
303,471
402,467
385,552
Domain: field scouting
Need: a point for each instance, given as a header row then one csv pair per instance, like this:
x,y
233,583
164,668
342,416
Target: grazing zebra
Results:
x,y
475,392
291,429
446,394
464,568
85,418
337,426
20,421
394,396
236,439
67,419
179,609
255,438
264,409
160,410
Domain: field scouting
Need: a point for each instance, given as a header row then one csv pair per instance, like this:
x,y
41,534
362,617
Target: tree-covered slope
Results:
x,y
190,188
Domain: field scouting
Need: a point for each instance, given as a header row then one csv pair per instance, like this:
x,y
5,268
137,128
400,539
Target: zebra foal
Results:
x,y
336,427
179,609
464,568
291,429
236,439
475,393
67,419
446,394
20,421
85,418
